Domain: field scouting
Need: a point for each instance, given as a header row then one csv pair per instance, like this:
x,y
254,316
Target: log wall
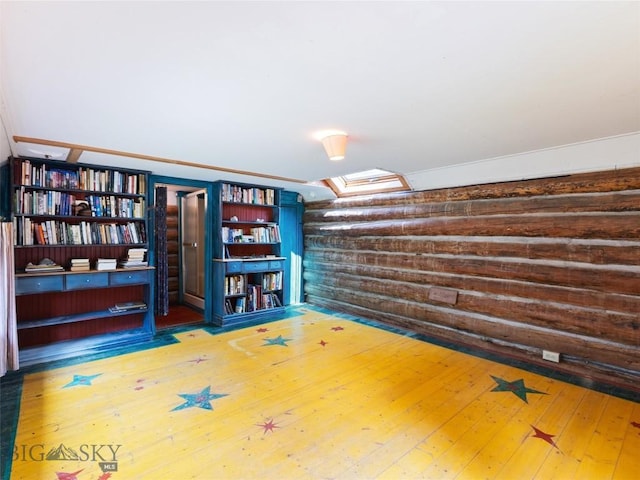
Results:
x,y
512,268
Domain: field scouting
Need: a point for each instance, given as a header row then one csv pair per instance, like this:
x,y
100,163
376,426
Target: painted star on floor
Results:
x,y
267,426
547,437
323,343
337,329
277,341
262,330
81,380
516,387
68,476
198,360
201,399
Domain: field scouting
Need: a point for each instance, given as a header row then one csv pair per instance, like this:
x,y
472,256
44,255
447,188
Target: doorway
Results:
x,y
193,212
184,250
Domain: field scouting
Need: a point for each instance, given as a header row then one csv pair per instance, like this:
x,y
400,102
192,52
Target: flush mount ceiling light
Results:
x,y
334,143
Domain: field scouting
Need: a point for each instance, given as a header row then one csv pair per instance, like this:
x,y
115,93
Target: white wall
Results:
x,y
611,153
5,150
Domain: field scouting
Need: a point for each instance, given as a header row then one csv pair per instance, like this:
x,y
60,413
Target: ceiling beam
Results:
x,y
74,155
86,148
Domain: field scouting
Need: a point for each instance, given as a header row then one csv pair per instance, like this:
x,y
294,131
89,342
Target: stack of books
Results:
x,y
106,264
45,265
80,265
135,258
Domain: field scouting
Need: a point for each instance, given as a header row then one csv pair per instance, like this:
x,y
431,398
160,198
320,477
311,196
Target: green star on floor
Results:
x,y
201,399
516,387
277,341
81,380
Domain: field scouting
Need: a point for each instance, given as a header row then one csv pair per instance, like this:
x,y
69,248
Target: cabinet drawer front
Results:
x,y
276,264
129,278
234,267
25,285
256,266
87,280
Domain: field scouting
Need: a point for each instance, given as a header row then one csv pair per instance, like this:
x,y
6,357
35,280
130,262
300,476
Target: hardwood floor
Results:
x,y
179,315
312,396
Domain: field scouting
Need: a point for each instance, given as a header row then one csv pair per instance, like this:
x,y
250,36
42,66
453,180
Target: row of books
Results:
x,y
53,232
269,234
257,300
90,179
249,304
43,202
234,284
272,281
256,196
51,202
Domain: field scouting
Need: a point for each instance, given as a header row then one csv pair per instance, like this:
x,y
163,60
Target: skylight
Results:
x,y
367,182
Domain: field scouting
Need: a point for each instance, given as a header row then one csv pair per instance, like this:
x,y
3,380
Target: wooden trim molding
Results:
x,y
76,150
74,155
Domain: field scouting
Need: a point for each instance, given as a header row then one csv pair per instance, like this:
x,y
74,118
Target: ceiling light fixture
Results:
x,y
334,143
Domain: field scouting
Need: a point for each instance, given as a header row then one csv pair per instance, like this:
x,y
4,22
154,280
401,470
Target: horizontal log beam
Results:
x,y
596,225
597,252
626,201
316,272
614,280
616,326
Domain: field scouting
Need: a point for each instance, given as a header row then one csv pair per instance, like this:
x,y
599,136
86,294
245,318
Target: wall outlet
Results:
x,y
551,356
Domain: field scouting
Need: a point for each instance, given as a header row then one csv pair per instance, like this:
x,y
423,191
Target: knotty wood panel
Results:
x,y
540,264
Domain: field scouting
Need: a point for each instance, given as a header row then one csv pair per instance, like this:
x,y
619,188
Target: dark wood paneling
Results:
x,y
62,255
542,264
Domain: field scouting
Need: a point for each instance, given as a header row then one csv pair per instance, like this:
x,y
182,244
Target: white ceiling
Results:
x,y
244,85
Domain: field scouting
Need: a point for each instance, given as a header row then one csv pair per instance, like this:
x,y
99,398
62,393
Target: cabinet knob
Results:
x,y
130,276
87,280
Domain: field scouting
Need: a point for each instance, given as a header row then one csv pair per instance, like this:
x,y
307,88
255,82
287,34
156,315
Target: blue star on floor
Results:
x,y
516,387
201,399
81,380
277,341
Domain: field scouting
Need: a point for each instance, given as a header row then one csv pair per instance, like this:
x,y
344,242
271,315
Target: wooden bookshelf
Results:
x,y
248,267
62,212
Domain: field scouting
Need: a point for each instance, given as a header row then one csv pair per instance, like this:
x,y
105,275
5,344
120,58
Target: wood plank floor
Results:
x,y
314,396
